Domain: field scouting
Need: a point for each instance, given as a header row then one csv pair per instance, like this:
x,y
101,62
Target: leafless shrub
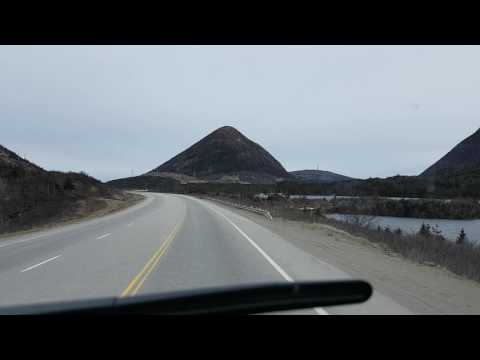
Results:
x,y
368,221
432,248
463,260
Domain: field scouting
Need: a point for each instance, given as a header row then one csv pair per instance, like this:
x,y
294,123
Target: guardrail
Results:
x,y
243,207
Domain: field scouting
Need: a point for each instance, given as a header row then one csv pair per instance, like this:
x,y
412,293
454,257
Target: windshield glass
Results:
x,y
137,170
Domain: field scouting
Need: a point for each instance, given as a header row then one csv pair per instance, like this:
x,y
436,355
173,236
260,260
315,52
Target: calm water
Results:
x,y
330,197
450,228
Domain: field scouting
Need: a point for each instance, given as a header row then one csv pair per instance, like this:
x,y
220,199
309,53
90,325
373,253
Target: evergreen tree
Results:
x,y
425,230
462,237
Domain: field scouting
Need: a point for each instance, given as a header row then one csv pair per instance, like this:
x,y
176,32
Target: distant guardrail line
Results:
x,y
244,207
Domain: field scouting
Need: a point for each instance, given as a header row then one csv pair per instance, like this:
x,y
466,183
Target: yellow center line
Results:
x,y
140,278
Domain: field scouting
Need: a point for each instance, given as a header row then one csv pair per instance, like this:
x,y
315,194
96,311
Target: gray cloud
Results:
x,y
358,110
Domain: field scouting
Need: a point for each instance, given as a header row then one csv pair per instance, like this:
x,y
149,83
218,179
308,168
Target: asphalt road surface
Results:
x,y
166,243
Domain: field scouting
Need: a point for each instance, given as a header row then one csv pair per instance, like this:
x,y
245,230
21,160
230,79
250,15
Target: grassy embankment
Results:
x,y
32,198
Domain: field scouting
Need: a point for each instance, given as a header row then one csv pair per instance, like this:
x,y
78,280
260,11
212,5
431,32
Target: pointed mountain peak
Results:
x,y
227,130
225,153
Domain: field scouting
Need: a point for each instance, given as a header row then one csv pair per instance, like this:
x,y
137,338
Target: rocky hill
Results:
x,y
31,196
463,158
225,155
8,159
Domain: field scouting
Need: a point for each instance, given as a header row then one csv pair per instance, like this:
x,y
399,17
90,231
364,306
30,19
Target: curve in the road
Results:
x,y
166,243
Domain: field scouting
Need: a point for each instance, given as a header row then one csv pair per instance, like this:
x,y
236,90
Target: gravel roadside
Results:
x,y
420,288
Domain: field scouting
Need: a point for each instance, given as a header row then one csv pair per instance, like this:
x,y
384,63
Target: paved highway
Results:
x,y
166,243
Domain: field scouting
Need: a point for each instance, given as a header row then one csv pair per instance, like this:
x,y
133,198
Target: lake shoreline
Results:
x,y
422,288
450,229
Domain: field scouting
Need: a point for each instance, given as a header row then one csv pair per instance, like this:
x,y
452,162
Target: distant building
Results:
x,y
264,196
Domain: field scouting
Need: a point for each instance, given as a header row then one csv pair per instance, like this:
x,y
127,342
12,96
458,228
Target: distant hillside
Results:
x,y
8,159
464,185
464,157
31,196
143,182
318,176
225,155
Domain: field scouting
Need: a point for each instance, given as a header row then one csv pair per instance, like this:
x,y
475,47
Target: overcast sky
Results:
x,y
362,111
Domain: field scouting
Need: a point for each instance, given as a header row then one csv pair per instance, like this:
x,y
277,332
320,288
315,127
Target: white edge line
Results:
x,y
320,311
41,263
277,267
260,250
103,236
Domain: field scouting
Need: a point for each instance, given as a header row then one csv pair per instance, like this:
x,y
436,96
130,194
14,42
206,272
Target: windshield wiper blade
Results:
x,y
239,300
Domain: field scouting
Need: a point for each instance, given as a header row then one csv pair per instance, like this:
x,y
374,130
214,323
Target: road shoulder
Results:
x,y
420,288
111,206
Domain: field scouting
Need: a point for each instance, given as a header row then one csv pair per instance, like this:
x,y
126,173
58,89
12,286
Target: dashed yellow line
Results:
x,y
138,280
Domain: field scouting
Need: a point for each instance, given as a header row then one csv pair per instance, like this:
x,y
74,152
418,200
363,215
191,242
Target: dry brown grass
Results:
x,y
78,211
463,260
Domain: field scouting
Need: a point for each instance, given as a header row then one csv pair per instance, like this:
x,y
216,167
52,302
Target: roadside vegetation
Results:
x,y
447,186
418,208
30,198
427,246
455,197
464,185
